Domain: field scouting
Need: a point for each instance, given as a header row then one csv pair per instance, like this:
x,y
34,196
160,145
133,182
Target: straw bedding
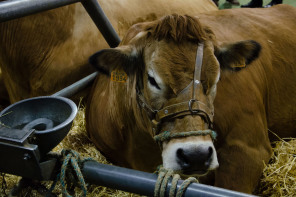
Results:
x,y
279,176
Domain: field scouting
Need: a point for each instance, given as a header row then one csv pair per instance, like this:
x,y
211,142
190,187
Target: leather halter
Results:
x,y
191,107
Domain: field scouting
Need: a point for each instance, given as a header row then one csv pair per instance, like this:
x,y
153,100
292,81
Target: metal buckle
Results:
x,y
190,103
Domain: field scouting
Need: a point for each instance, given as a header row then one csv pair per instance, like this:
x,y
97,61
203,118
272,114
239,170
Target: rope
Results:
x,y
173,188
71,159
167,135
184,186
163,178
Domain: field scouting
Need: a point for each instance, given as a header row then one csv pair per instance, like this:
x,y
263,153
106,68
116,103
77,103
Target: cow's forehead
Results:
x,y
174,63
165,55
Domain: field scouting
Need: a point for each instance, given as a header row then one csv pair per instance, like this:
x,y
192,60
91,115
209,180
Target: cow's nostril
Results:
x,y
195,158
210,152
182,158
209,158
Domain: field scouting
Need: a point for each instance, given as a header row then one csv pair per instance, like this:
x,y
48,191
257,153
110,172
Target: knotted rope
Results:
x,y
165,174
162,181
167,135
72,160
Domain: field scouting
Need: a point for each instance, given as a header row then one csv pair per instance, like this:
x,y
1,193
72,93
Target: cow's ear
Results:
x,y
236,56
123,58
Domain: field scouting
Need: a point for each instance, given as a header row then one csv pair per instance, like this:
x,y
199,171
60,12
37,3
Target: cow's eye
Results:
x,y
153,82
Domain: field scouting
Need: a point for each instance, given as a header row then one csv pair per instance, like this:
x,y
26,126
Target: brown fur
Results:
x,y
185,28
248,102
4,101
43,53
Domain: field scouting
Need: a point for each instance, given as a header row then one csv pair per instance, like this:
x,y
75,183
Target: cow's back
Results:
x,y
42,53
268,84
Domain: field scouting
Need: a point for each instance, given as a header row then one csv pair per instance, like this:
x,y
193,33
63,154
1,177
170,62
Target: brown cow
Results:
x,y
248,56
43,53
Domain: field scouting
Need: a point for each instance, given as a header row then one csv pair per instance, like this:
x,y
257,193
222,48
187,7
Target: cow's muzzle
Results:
x,y
194,157
194,161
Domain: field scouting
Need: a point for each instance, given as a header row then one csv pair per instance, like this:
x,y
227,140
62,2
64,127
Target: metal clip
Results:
x,y
190,103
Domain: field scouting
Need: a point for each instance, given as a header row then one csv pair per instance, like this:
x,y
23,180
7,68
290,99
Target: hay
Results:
x,y
279,176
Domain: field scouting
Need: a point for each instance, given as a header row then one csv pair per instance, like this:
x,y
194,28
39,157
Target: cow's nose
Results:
x,y
196,159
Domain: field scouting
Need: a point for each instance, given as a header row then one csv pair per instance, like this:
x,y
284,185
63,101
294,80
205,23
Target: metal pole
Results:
x,y
143,183
12,9
77,86
100,19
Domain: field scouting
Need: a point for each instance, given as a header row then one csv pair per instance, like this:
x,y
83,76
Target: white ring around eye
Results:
x,y
157,80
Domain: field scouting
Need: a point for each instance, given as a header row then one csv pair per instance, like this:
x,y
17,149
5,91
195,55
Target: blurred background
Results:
x,y
223,4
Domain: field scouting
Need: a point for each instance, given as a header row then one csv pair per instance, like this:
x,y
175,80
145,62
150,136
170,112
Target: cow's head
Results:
x,y
176,63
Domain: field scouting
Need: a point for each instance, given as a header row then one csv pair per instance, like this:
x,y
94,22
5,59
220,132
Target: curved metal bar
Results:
x,y
12,9
77,86
100,19
143,183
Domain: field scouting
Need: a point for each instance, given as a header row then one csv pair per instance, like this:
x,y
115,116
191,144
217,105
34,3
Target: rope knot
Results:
x,y
72,162
164,175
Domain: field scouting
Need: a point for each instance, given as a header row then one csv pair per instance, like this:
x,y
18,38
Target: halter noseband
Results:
x,y
191,107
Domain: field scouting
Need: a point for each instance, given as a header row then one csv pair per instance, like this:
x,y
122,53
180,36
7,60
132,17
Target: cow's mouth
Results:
x,y
190,158
195,172
194,162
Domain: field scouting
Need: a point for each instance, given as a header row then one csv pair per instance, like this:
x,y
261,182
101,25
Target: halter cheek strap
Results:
x,y
191,107
197,70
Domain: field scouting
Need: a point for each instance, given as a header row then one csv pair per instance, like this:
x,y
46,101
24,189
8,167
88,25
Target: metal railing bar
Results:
x,y
100,19
71,90
143,183
12,9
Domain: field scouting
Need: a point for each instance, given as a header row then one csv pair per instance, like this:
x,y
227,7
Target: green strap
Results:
x,y
167,135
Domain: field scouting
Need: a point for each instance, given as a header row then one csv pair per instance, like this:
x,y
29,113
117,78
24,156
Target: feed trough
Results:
x,y
30,129
50,117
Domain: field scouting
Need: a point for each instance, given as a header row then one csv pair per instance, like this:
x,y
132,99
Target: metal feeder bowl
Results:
x,y
50,118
